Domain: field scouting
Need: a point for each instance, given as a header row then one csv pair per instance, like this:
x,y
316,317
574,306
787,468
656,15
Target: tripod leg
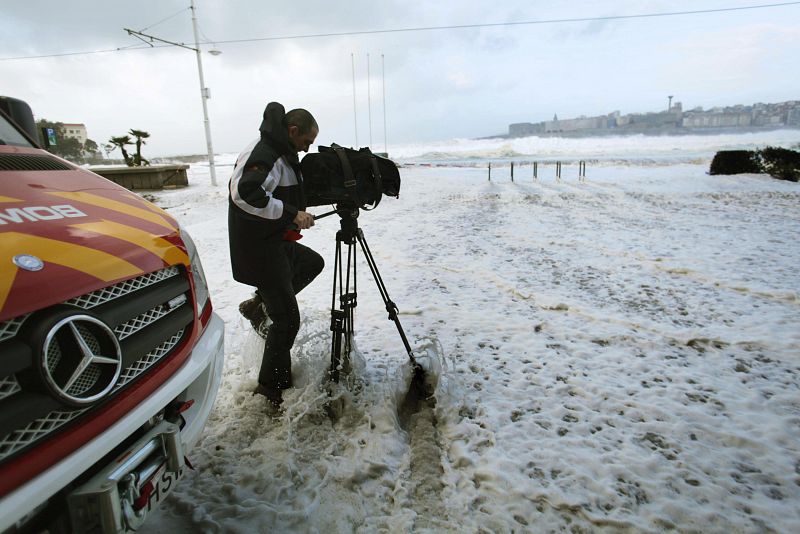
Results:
x,y
391,307
337,329
342,318
336,320
348,301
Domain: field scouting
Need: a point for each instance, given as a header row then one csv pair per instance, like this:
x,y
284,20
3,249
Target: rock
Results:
x,y
780,163
735,162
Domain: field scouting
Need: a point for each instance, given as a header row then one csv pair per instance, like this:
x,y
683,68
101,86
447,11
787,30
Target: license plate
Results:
x,y
164,482
113,500
158,487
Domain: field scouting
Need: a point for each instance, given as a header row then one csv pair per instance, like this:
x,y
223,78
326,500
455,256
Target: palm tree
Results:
x,y
140,136
120,142
107,148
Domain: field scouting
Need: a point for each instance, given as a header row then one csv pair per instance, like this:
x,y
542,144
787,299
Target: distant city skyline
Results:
x,y
737,116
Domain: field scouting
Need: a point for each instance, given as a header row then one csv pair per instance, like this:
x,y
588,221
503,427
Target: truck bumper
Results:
x,y
197,379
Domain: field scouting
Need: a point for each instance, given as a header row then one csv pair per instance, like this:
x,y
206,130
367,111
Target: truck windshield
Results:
x,y
10,136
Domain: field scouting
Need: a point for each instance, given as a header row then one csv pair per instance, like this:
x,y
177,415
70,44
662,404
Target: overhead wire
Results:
x,y
426,28
208,39
85,53
165,19
510,23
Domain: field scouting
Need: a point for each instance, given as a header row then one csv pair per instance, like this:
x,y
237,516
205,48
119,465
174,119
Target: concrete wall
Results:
x,y
151,177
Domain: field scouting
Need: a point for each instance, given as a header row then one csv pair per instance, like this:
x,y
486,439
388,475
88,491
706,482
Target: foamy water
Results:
x,y
615,355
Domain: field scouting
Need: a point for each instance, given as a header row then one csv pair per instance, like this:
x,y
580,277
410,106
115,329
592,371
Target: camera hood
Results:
x,y
354,177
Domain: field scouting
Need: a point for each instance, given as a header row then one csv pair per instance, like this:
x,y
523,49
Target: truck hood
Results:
x,y
64,233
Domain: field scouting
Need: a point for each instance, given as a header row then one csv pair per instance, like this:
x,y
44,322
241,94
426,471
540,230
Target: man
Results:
x,y
266,211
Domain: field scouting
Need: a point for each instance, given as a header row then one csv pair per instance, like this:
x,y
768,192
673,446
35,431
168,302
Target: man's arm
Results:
x,y
251,187
255,187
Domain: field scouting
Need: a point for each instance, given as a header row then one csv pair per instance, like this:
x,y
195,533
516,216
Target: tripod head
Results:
x,y
348,220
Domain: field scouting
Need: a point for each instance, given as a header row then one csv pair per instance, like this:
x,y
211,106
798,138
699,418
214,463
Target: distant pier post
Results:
x,y
535,170
558,171
490,171
512,171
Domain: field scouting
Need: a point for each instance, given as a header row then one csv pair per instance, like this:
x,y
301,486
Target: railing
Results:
x,y
535,169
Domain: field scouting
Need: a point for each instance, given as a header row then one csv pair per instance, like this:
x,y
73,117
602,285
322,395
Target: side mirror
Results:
x,y
20,112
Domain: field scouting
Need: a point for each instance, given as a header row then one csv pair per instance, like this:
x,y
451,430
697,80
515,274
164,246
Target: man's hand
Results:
x,y
304,220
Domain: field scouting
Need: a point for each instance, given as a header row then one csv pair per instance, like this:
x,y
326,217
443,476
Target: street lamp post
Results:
x,y
204,95
204,92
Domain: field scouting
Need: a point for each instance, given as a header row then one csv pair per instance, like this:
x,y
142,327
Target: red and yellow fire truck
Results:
x,y
110,353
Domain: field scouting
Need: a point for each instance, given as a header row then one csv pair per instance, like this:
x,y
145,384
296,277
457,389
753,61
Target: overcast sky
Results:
x,y
439,83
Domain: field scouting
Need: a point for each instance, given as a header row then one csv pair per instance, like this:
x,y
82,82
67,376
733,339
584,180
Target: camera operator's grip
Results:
x,y
304,220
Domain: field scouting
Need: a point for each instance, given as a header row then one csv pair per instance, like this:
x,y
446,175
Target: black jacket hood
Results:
x,y
274,130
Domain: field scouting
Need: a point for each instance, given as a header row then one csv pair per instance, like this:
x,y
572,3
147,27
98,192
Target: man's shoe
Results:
x,y
274,399
253,310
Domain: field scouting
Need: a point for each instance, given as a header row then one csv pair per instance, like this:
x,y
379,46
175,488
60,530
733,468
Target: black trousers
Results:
x,y
292,267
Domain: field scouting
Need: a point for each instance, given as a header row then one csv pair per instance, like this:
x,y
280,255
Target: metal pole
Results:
x,y
369,104
203,96
355,111
383,77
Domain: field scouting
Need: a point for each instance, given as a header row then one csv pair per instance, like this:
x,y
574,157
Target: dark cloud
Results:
x,y
441,83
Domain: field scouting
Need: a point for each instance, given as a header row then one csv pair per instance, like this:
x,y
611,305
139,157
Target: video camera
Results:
x,y
347,177
352,180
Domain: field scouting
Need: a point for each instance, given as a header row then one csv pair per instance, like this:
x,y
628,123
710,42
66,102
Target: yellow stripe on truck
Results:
x,y
127,209
9,199
159,246
5,284
102,265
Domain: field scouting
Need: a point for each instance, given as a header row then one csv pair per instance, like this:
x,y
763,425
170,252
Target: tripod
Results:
x,y
342,317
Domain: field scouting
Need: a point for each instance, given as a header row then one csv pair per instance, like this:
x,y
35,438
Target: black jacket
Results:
x,y
264,195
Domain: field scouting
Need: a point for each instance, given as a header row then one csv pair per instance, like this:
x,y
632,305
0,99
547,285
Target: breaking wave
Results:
x,y
642,148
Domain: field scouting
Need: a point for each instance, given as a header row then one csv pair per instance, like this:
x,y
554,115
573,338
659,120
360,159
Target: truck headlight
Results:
x,y
198,276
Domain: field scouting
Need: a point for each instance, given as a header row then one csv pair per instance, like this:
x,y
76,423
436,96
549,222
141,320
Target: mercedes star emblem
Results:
x,y
81,360
28,262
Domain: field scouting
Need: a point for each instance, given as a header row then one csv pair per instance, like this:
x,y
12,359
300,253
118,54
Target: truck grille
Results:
x,y
31,162
8,386
149,314
9,329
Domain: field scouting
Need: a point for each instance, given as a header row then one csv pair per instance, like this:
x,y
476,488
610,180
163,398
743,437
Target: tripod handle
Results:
x,y
325,214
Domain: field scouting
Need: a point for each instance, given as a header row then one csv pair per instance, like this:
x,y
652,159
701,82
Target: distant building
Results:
x,y
673,120
648,121
76,131
793,117
573,125
716,119
522,129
